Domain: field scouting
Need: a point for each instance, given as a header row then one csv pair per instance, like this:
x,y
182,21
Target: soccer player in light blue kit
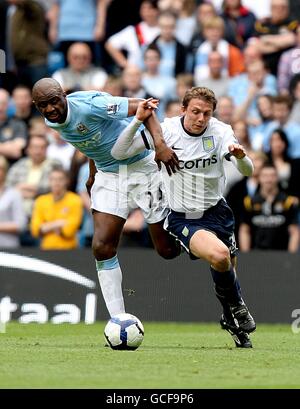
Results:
x,y
92,121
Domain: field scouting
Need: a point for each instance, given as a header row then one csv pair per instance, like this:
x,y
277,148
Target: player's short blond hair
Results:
x,y
203,93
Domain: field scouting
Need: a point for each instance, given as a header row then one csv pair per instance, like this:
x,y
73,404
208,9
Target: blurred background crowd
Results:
x,y
246,51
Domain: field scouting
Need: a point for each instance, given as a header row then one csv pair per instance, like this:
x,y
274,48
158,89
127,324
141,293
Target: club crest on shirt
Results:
x,y
112,109
208,143
81,128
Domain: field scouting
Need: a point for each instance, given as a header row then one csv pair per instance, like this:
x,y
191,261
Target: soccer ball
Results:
x,y
124,332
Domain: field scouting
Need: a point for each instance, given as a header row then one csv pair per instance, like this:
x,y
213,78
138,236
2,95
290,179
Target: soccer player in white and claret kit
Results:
x,y
199,216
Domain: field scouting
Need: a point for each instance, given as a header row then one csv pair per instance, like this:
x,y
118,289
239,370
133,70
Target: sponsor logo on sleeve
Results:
x,y
112,109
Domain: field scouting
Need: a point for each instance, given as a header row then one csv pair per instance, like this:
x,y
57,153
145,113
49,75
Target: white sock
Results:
x,y
110,279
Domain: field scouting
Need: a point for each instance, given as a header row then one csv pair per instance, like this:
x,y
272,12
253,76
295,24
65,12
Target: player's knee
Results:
x,y
103,250
221,259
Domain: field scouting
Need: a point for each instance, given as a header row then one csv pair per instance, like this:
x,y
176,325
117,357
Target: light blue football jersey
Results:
x,y
94,122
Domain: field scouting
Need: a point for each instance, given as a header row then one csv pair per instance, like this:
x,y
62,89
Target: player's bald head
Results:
x,y
46,87
50,100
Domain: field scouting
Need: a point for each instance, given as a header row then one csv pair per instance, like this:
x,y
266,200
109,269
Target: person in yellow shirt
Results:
x,y
57,216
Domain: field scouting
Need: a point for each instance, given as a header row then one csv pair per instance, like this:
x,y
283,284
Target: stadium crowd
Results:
x,y
246,51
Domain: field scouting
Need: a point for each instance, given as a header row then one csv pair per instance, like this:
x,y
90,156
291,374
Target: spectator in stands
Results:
x,y
213,31
87,226
216,80
173,108
294,91
125,47
252,52
77,162
13,131
30,176
225,110
239,23
269,218
58,149
240,130
113,85
279,158
204,12
37,127
73,21
132,83
276,34
12,216
245,187
294,185
245,88
173,53
80,74
159,86
260,127
170,5
289,65
3,24
28,41
261,9
120,14
57,216
183,83
282,106
185,20
22,101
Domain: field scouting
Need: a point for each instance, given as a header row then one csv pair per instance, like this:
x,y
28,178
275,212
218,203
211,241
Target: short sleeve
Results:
x,y
121,39
106,106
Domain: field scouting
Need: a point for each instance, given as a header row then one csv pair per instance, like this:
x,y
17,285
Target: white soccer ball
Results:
x,y
124,331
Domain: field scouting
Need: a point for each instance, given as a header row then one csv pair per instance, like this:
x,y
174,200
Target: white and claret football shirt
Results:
x,y
93,124
200,182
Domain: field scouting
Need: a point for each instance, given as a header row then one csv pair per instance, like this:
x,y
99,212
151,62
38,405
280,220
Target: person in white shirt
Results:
x,y
199,216
125,47
80,74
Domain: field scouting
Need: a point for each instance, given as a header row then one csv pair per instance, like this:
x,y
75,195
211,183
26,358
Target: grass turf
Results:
x,y
172,355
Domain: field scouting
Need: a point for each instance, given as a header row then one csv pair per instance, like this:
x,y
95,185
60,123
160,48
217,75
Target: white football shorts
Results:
x,y
138,185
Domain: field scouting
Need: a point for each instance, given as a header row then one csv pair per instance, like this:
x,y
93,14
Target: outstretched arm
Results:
x,y
237,155
129,142
129,145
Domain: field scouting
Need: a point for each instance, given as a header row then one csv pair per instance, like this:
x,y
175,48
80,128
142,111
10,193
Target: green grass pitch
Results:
x,y
172,355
